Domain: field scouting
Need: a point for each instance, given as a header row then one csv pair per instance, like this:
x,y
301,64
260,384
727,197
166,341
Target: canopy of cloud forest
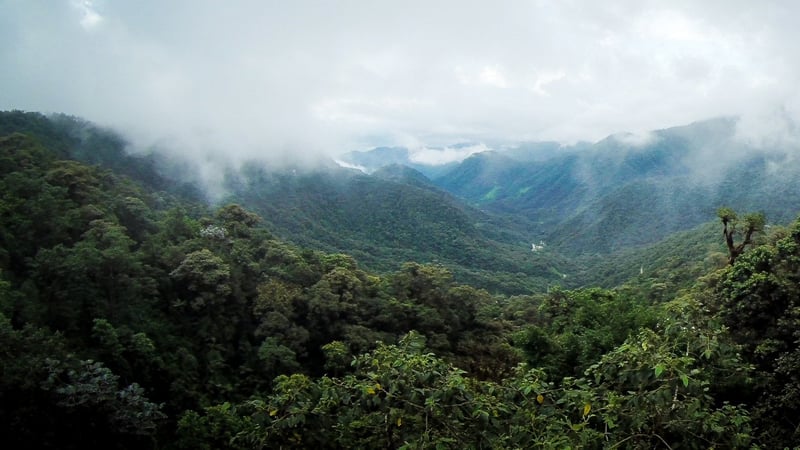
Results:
x,y
136,314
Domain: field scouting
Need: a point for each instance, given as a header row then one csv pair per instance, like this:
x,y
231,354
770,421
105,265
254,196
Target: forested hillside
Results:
x,y
134,306
133,315
393,216
621,192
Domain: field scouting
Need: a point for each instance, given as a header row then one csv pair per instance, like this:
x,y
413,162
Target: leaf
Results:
x,y
586,408
273,413
540,398
685,379
399,422
659,369
371,390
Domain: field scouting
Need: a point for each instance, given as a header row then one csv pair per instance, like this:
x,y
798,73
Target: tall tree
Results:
x,y
749,224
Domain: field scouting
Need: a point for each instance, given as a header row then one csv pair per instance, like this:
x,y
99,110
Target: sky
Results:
x,y
278,79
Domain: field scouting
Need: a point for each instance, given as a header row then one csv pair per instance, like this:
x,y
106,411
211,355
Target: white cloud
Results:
x,y
493,76
90,18
545,78
635,140
348,165
259,79
438,156
671,26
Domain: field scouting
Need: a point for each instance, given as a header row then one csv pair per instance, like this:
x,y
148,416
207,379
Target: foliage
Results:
x,y
751,223
567,331
52,399
385,222
135,318
758,300
680,374
605,197
645,394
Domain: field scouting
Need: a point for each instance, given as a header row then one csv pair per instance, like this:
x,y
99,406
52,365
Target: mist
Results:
x,y
280,81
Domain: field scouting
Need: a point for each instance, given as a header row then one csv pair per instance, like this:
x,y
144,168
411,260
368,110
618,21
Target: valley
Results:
x,y
324,306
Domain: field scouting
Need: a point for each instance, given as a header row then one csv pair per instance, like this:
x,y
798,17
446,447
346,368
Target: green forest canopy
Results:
x,y
131,318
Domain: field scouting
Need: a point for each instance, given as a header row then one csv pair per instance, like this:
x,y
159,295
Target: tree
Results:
x,y
751,223
571,330
204,279
676,386
53,399
98,277
237,220
759,300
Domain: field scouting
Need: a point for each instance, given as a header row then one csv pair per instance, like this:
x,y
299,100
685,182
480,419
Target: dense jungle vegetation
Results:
x,y
133,315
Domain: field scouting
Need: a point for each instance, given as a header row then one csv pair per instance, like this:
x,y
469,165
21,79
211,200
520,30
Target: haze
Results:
x,y
266,78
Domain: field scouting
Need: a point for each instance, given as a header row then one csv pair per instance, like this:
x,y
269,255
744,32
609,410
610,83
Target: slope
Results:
x,y
394,216
628,191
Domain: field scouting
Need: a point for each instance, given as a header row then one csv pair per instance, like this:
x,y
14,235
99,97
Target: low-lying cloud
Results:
x,y
274,80
439,156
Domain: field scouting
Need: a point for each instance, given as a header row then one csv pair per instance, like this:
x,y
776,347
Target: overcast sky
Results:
x,y
272,77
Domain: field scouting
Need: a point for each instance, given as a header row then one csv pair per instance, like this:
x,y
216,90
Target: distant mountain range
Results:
x,y
628,190
392,216
589,203
426,161
371,160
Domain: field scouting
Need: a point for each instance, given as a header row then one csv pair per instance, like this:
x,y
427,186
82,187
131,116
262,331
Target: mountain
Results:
x,y
74,138
387,218
378,157
536,151
404,175
374,159
631,190
568,180
129,315
393,216
624,191
589,204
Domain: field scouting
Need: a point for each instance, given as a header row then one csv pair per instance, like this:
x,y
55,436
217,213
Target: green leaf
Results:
x,y
685,380
482,414
659,369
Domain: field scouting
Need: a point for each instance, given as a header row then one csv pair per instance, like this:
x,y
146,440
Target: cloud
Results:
x,y
635,140
545,78
90,17
348,165
438,156
772,129
493,76
271,80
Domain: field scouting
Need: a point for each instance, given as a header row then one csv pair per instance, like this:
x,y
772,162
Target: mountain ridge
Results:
x,y
481,217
